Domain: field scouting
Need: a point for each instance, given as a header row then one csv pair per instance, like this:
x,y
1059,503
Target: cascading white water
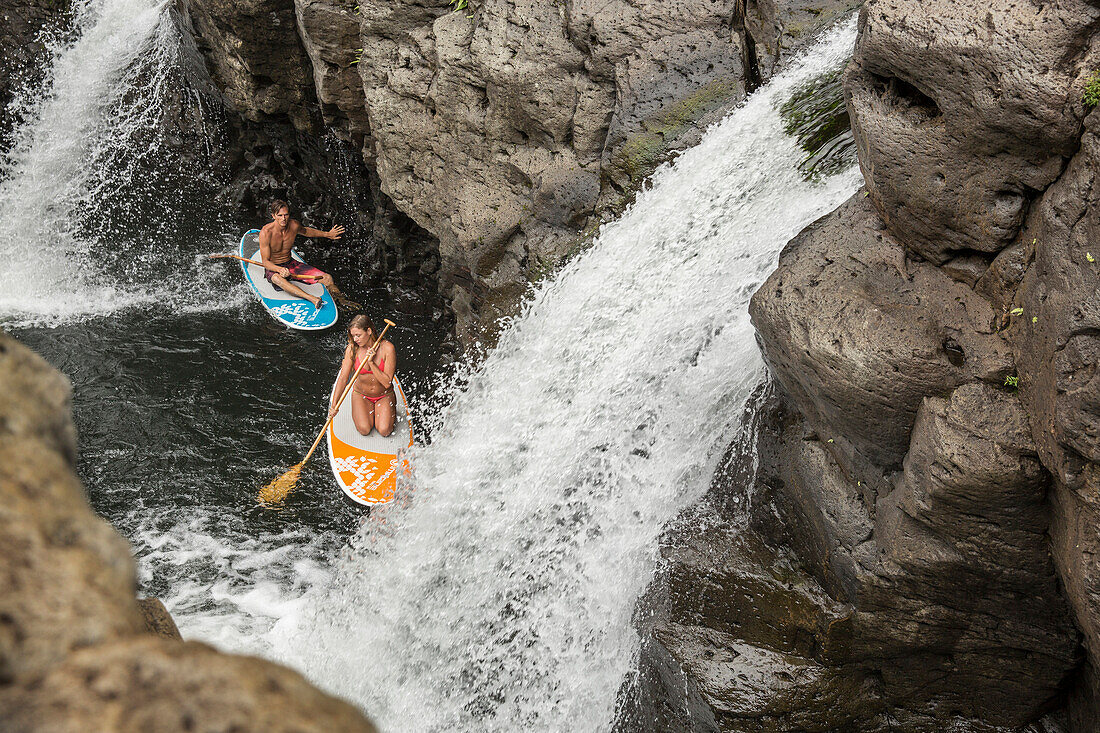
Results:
x,y
501,596
84,133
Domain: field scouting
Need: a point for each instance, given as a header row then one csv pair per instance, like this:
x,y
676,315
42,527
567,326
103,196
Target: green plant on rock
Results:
x,y
358,56
1091,96
1012,381
815,115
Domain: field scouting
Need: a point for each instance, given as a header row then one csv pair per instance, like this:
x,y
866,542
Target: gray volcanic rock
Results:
x,y
859,335
505,128
76,653
962,112
906,477
966,599
1057,340
942,612
330,34
255,56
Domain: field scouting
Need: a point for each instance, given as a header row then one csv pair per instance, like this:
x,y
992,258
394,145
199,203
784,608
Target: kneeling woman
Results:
x,y
373,404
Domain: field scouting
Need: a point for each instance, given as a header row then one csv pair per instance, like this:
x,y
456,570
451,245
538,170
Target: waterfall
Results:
x,y
89,133
500,595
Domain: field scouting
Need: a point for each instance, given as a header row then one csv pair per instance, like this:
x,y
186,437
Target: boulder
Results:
x,y
68,577
157,619
963,112
858,335
147,684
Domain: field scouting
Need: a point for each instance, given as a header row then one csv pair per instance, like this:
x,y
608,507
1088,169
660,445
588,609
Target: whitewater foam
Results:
x,y
91,130
499,595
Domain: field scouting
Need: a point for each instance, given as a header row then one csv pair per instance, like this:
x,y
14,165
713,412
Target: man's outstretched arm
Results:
x,y
334,233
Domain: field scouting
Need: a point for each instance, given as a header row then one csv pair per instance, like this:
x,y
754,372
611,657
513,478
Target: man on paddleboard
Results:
x,y
276,241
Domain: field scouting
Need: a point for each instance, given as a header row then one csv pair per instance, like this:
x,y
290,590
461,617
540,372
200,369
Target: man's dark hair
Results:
x,y
276,205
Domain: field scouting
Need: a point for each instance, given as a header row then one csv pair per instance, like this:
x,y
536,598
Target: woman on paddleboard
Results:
x,y
373,403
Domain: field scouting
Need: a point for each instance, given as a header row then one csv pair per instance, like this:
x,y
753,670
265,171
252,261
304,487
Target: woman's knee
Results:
x,y
385,430
364,426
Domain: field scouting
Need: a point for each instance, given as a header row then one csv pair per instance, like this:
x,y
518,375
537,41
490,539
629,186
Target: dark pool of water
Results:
x,y
177,411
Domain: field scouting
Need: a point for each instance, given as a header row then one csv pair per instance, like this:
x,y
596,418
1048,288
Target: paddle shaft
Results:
x,y
347,391
304,278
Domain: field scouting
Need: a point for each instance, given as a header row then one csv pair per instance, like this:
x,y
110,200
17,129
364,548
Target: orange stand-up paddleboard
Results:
x,y
366,466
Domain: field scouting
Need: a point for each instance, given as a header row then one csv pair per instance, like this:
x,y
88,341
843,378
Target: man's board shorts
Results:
x,y
296,268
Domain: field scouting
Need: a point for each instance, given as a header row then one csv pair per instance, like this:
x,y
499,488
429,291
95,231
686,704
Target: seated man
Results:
x,y
276,241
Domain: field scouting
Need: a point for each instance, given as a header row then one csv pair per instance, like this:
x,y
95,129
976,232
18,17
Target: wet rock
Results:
x,y
966,599
858,334
776,27
908,476
23,24
752,688
937,609
733,583
255,57
961,114
1057,339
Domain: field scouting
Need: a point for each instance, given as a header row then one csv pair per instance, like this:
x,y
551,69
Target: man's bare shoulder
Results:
x,y
265,230
294,226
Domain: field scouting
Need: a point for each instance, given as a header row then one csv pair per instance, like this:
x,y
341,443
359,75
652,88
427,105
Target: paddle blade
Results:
x,y
277,490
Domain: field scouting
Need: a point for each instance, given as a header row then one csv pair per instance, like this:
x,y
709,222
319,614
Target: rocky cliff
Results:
x,y
503,129
918,548
78,652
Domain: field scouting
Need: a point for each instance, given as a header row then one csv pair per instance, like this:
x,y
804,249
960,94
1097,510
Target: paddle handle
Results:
x,y
307,278
347,391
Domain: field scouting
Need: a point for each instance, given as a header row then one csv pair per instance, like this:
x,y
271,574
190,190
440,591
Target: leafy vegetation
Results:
x,y
1092,91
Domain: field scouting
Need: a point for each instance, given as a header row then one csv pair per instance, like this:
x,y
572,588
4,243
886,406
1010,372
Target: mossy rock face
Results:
x,y
816,116
640,155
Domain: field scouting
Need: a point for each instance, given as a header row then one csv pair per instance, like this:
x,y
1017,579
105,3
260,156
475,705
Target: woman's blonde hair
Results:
x,y
363,323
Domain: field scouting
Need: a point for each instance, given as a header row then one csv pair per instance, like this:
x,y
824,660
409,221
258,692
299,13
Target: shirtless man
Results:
x,y
276,241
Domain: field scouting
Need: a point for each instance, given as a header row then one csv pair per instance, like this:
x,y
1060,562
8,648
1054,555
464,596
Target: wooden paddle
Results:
x,y
304,278
278,489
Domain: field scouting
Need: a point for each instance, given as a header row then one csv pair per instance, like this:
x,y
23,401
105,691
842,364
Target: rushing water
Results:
x,y
500,596
498,592
187,397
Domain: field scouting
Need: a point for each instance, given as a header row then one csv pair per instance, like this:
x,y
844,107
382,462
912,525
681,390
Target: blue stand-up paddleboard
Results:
x,y
292,312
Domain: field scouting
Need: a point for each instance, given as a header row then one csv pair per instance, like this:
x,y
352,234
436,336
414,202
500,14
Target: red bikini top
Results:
x,y
381,365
